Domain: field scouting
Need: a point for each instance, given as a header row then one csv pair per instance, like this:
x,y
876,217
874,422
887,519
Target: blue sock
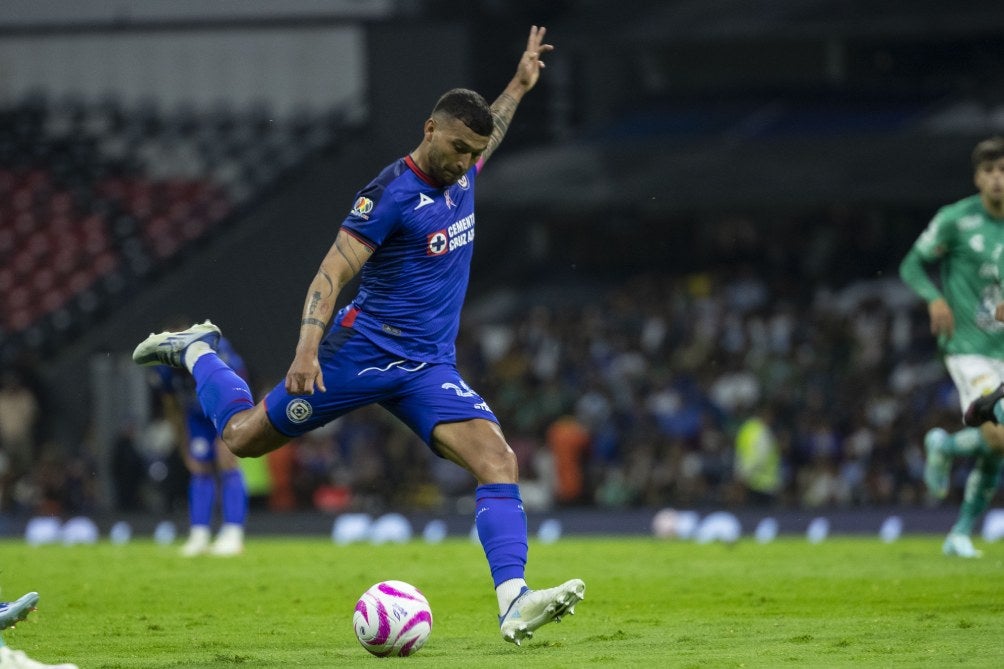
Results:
x,y
235,497
222,393
201,495
501,524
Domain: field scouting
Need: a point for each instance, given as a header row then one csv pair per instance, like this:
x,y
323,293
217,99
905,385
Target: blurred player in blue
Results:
x,y
11,613
410,234
208,460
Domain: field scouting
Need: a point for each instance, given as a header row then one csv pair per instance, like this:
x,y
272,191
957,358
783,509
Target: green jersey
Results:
x,y
968,243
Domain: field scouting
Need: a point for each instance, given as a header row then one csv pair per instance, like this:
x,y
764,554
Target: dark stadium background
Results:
x,y
792,148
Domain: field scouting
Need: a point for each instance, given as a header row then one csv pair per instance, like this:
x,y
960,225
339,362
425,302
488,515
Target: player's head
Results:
x,y
456,134
988,168
468,107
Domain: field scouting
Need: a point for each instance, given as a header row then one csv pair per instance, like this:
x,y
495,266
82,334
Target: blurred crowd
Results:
x,y
767,377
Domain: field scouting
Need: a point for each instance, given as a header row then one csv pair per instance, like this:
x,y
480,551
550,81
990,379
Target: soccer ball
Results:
x,y
392,618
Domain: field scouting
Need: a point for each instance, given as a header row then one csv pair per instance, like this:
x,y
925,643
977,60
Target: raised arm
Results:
x,y
527,73
343,261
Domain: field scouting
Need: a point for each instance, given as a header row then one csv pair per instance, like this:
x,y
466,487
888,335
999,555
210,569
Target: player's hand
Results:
x,y
942,320
304,376
530,64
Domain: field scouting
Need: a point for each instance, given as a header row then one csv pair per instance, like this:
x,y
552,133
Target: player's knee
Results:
x,y
498,466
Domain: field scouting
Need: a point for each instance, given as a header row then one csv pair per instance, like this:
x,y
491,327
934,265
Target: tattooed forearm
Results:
x,y
314,321
503,110
315,299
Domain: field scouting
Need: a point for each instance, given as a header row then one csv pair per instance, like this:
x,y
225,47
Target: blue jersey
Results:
x,y
412,288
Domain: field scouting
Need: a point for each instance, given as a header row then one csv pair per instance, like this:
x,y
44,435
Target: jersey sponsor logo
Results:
x,y
299,410
463,183
436,243
362,207
423,200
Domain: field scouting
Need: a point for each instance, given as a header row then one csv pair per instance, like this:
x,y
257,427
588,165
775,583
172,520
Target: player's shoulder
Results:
x,y
388,184
967,206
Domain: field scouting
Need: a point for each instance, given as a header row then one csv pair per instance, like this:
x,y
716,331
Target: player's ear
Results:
x,y
429,128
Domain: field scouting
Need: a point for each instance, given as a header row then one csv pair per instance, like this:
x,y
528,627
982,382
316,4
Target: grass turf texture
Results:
x,y
848,602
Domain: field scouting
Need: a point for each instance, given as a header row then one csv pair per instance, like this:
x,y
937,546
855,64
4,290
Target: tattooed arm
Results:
x,y
527,73
343,261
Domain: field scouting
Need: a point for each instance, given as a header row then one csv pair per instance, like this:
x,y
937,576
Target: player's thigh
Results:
x,y
478,446
974,376
250,434
453,419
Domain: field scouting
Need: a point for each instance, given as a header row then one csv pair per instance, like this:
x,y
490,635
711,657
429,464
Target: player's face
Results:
x,y
453,148
989,179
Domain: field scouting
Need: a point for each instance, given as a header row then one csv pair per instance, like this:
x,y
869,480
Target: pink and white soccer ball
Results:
x,y
392,618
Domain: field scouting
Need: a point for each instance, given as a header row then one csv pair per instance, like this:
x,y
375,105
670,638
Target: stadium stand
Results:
x,y
97,199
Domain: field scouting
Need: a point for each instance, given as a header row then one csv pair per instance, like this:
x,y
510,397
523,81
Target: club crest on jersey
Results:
x,y
299,410
437,243
362,207
463,183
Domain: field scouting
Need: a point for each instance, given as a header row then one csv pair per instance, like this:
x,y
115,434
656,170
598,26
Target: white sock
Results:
x,y
507,591
194,351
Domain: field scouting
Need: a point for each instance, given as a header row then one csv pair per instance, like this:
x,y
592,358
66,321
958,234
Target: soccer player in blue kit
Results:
x,y
410,237
207,460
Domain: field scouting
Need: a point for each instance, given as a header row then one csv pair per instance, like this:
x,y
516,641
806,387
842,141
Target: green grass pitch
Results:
x,y
287,602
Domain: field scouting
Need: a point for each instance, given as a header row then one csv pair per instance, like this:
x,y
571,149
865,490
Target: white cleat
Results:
x,y
197,543
168,348
960,545
11,613
16,659
229,542
533,609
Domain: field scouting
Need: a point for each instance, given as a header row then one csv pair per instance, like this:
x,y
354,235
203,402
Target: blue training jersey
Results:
x,y
412,288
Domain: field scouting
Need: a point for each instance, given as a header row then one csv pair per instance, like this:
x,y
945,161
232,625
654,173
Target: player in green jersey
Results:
x,y
966,240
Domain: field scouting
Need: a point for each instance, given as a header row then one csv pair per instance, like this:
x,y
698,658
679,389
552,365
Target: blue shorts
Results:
x,y
201,438
357,373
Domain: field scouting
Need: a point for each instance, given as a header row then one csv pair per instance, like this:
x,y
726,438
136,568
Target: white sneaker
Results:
x,y
937,465
229,542
168,348
197,543
11,613
960,545
534,608
16,659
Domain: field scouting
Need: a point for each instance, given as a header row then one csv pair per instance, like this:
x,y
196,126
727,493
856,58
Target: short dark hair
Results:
x,y
988,150
467,106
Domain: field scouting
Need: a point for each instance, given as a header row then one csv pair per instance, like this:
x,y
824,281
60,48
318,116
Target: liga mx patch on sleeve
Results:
x,y
362,208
